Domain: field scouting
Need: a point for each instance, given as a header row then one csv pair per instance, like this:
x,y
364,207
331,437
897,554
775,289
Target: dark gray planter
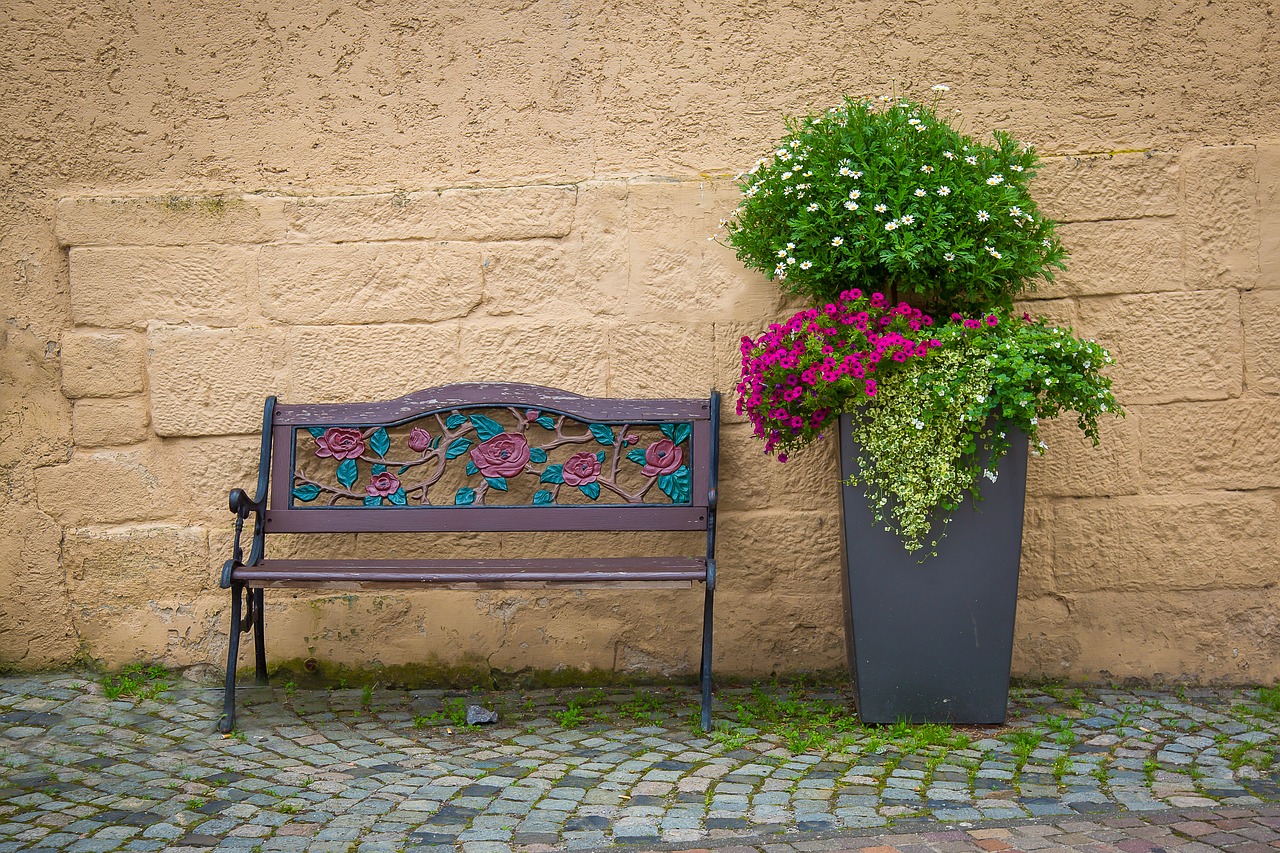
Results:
x,y
933,641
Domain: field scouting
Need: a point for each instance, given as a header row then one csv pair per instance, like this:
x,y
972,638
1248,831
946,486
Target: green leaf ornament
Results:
x,y
591,490
499,483
552,474
486,428
543,498
380,442
372,500
454,421
637,456
603,433
464,497
457,447
677,485
307,492
537,454
347,473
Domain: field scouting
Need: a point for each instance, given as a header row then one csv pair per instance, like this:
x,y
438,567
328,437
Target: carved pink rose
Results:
x,y
340,443
661,457
504,455
581,469
383,485
419,440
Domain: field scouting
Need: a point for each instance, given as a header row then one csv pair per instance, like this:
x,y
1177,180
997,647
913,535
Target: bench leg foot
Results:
x,y
259,641
228,720
706,660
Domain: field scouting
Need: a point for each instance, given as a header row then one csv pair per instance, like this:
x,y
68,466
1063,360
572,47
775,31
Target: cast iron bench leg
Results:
x,y
706,658
259,642
227,721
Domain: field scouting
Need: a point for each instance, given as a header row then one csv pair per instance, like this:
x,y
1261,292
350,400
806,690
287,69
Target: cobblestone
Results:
x,y
1096,769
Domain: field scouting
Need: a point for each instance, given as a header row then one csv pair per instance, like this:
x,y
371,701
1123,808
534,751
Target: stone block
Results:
x,y
353,363
1129,256
34,413
1044,642
104,487
136,565
369,282
173,632
1269,215
1035,573
125,287
1170,347
538,278
677,273
599,246
102,423
1073,467
213,381
172,220
504,213
572,356
1203,636
1108,187
1219,216
1166,543
102,364
36,629
200,473
1261,310
1209,446
809,480
780,552
661,360
762,634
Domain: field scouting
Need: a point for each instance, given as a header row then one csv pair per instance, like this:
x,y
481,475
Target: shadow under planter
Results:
x,y
933,641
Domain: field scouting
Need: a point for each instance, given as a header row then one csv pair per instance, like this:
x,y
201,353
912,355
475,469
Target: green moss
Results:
x,y
214,205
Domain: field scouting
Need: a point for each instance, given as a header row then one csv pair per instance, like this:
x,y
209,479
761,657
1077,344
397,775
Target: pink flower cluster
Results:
x,y
799,374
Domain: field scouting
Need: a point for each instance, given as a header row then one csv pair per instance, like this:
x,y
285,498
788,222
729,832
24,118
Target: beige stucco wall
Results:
x,y
331,202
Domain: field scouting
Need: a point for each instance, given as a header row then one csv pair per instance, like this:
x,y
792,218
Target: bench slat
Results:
x,y
415,572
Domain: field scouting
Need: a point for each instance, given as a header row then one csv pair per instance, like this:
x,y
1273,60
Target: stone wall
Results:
x,y
210,207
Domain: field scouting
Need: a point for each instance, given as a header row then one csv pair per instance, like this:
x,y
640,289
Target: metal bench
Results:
x,y
490,457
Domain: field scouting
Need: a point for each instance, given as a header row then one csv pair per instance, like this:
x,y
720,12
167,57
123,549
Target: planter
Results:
x,y
933,641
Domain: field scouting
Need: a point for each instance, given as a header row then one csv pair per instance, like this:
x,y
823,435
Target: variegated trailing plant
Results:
x,y
526,456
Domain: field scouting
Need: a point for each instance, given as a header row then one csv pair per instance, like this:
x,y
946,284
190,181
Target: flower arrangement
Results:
x,y
886,196
887,218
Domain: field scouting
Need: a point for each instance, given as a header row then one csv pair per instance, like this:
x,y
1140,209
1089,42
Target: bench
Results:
x,y
484,457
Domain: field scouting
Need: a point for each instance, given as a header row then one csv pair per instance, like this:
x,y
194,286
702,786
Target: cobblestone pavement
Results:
x,y
367,771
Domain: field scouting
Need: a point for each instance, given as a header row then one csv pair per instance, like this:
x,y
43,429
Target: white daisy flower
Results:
x,y
983,216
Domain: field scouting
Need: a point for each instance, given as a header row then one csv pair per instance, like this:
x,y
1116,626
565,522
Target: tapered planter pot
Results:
x,y
933,641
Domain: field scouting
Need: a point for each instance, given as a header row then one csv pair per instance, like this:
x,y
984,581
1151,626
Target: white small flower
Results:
x,y
850,205
891,225
780,270
812,207
993,253
971,160
1015,211
880,208
786,175
855,194
950,155
995,180
1045,242
944,191
795,143
990,475
790,261
913,121
927,169
983,216
844,163
791,245
837,241
908,220
857,175
920,193
804,265
782,253
949,256
846,171
1016,168
1034,421
940,88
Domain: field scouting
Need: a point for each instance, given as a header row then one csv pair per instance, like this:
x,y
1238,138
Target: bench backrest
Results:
x,y
491,457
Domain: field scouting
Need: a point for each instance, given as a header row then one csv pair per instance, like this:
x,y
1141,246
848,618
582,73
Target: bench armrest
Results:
x,y
242,507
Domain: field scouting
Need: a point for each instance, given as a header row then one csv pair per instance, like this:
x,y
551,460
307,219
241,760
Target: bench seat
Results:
x,y
593,571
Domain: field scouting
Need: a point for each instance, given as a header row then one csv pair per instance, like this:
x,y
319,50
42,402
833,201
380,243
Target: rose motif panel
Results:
x,y
495,456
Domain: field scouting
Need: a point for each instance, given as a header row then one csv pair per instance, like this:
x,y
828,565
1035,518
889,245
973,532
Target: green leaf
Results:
x,y
537,454
600,456
372,500
637,456
347,473
546,422
471,467
307,492
454,421
486,428
499,483
378,469
464,497
603,433
552,474
435,442
676,432
404,468
677,485
398,497
591,490
380,441
458,447
316,432
543,498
